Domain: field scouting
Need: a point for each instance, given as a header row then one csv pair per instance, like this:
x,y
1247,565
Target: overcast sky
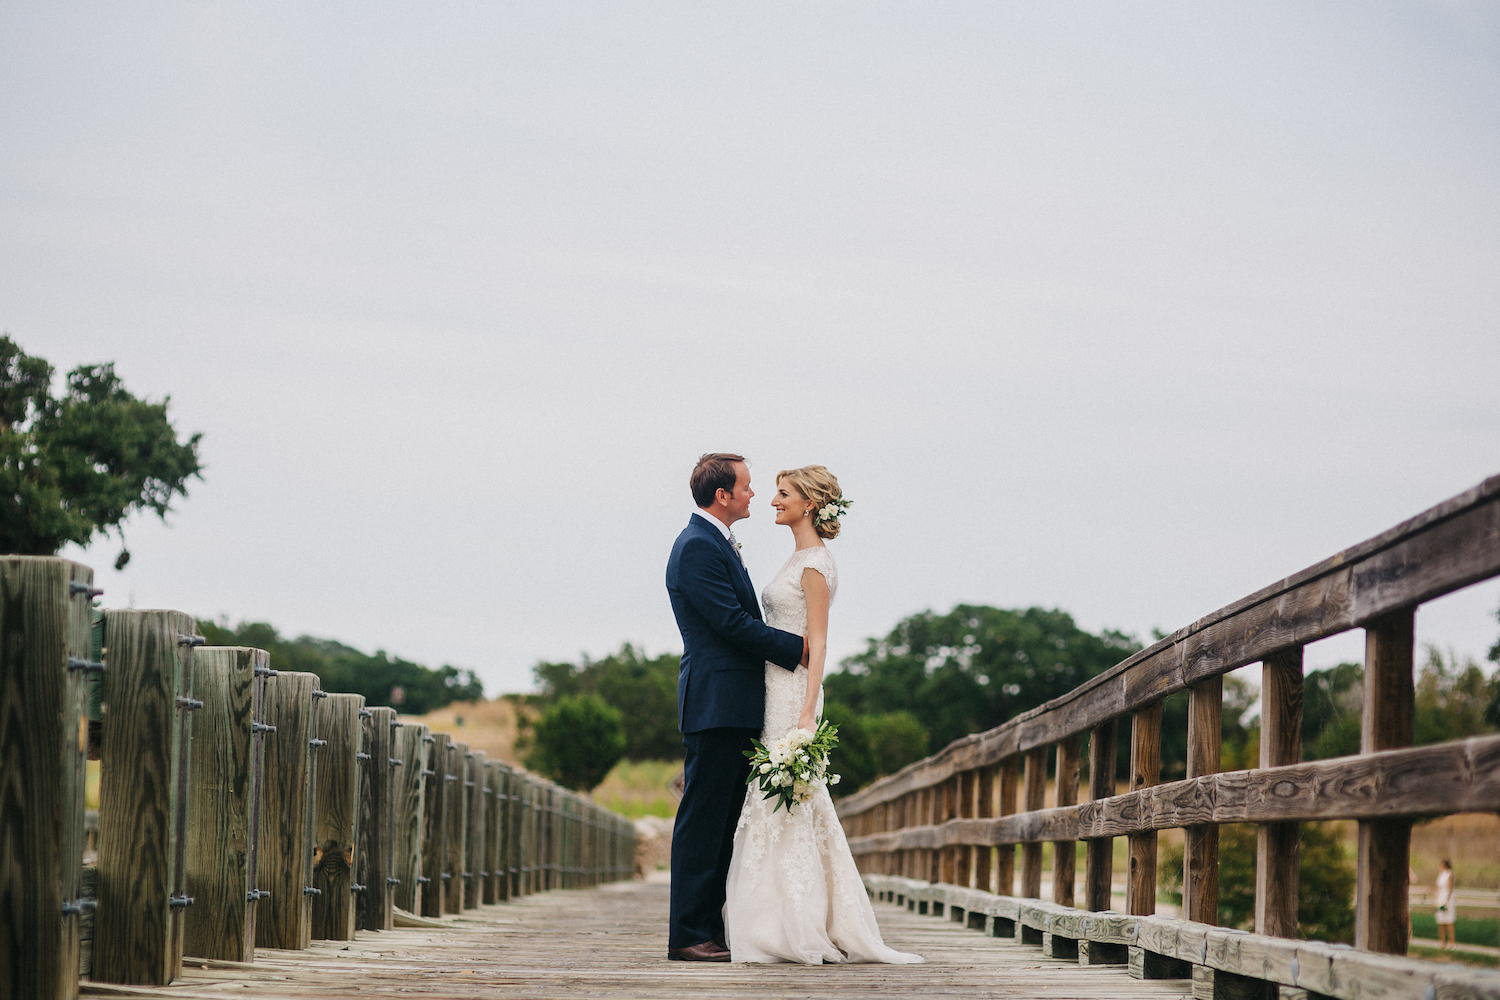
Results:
x,y
1124,309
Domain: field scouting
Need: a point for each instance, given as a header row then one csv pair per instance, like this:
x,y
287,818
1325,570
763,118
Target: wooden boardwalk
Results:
x,y
611,942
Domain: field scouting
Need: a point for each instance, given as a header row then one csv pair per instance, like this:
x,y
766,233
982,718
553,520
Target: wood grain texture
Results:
x,y
336,815
1065,852
1448,547
284,867
1033,797
457,804
1200,875
1145,772
374,861
43,746
225,787
435,811
493,863
1099,854
1278,845
137,933
1387,721
984,858
1462,776
409,806
474,836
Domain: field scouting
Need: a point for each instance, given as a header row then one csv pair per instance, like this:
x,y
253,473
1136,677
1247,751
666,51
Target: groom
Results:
x,y
721,699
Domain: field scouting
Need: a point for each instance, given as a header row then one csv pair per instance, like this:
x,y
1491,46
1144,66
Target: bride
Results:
x,y
793,893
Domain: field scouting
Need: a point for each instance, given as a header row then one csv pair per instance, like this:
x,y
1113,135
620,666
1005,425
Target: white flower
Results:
x,y
765,769
802,757
834,780
784,778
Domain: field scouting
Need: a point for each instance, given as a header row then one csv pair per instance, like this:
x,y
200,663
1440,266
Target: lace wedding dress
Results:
x,y
793,893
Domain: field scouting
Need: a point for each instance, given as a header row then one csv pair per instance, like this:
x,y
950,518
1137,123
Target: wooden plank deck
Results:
x,y
611,942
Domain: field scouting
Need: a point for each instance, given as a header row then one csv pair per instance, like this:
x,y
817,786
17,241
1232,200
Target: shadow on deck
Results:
x,y
611,942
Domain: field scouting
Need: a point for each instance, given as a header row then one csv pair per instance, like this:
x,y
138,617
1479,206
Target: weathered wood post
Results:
x,y
1145,772
435,825
336,815
1200,862
1099,859
1387,722
1034,798
494,832
283,916
225,778
409,784
457,804
374,863
143,796
474,840
44,666
1278,845
1005,857
1065,793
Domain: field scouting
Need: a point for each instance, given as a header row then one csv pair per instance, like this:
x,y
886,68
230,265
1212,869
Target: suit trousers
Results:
x,y
714,774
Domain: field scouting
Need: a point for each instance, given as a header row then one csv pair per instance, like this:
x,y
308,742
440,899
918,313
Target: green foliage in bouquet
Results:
x,y
794,767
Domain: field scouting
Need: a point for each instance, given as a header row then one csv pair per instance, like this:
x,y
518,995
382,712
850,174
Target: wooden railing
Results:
x,y
950,823
239,806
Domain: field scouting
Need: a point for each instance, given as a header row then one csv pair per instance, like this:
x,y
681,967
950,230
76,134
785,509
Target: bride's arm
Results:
x,y
815,589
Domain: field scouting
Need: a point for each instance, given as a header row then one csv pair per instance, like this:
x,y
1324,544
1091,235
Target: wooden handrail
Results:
x,y
937,820
1441,550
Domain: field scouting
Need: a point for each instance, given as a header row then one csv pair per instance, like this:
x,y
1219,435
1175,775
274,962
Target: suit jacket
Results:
x,y
725,643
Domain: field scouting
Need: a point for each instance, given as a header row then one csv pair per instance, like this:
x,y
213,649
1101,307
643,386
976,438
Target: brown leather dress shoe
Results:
x,y
705,952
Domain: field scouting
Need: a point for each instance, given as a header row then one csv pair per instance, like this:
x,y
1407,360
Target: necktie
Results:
x,y
736,543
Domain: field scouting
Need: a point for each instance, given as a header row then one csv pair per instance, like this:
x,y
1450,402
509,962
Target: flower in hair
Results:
x,y
833,509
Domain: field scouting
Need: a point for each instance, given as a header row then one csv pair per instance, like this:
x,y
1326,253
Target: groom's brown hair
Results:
x,y
714,472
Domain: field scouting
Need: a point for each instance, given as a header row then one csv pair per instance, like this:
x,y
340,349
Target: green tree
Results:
x,y
974,667
1452,698
1492,711
872,746
643,690
577,740
383,680
78,465
1331,702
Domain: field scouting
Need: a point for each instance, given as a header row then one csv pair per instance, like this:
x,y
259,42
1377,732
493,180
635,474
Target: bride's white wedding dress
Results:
x,y
793,892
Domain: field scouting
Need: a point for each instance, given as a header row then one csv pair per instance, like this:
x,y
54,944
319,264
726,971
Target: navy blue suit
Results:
x,y
721,703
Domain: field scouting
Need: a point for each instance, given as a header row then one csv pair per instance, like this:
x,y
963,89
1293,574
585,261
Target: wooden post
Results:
x,y
494,832
283,919
374,862
409,804
1065,852
454,870
1005,857
985,809
336,815
1277,845
1200,863
1034,798
1099,857
224,778
45,664
1145,771
474,839
1387,723
435,825
142,796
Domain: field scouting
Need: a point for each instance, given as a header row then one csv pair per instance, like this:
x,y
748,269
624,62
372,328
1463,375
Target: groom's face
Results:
x,y
739,503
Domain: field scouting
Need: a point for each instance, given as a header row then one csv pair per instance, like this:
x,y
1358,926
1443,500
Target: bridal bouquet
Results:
x,y
795,766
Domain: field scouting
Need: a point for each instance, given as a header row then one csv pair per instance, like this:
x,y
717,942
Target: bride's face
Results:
x,y
790,505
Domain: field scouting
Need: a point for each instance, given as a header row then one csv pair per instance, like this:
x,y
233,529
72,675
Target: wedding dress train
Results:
x,y
794,894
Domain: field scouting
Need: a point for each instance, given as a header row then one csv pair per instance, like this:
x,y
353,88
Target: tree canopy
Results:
x,y
643,690
577,740
79,464
408,687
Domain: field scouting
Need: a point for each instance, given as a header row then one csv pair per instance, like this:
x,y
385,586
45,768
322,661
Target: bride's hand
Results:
x,y
808,721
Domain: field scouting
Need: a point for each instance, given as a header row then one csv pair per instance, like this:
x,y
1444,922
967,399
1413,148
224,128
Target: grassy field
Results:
x,y
1468,930
639,788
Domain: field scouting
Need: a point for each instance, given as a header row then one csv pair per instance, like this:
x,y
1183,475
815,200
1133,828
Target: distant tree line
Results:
x,y
408,687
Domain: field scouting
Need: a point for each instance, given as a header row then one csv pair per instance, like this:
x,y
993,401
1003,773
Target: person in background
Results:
x,y
1447,908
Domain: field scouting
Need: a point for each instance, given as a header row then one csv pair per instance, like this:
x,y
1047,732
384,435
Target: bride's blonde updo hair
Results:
x,y
817,484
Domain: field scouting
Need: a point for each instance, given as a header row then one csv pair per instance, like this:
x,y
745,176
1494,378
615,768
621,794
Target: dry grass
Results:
x,y
484,725
1471,840
639,788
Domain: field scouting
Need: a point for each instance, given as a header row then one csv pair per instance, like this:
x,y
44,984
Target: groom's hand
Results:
x,y
803,661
